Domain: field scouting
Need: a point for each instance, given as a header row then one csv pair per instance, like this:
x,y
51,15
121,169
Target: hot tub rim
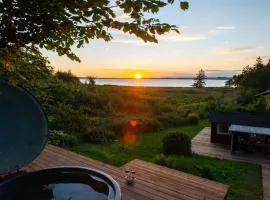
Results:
x,y
95,172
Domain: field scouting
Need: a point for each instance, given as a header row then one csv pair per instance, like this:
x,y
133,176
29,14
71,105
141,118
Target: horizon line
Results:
x,y
217,77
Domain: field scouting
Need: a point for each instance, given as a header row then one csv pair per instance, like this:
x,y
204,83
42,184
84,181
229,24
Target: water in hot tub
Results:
x,y
73,191
93,190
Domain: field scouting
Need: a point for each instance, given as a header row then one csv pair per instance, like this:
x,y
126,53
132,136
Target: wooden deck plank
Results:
x,y
181,182
152,182
266,181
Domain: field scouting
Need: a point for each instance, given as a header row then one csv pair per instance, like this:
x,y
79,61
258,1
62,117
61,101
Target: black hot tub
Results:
x,y
61,183
23,135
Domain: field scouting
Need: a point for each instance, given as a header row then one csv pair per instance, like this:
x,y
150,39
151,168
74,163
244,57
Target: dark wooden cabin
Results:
x,y
224,125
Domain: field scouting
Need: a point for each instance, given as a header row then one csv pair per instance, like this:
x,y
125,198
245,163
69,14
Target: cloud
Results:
x,y
182,38
131,41
172,36
191,36
225,27
240,50
183,27
222,70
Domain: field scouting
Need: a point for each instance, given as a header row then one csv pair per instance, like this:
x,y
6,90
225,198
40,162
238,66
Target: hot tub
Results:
x,y
61,183
23,136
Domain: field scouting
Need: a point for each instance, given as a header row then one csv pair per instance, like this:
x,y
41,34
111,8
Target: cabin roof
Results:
x,y
241,118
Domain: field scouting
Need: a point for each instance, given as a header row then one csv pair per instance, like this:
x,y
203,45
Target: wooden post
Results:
x,y
232,144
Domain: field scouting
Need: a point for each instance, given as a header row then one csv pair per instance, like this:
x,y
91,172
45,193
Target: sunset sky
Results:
x,y
220,36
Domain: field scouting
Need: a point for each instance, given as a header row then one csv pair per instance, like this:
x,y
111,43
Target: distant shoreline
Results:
x,y
185,78
158,82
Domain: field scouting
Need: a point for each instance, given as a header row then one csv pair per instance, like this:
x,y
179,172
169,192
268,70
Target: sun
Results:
x,y
138,76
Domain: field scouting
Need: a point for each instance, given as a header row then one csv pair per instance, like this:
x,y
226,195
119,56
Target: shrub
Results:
x,y
67,77
119,124
148,124
59,138
203,114
193,118
172,118
160,107
177,143
98,136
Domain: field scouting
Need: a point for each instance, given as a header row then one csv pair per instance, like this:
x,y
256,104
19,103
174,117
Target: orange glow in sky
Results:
x,y
221,43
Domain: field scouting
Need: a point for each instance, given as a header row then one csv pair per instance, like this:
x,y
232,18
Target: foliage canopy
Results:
x,y
256,78
58,25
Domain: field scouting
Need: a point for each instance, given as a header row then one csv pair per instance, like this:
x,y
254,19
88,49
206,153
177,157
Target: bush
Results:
x,y
119,124
59,138
148,124
203,114
98,136
65,117
177,143
193,118
160,107
67,77
172,119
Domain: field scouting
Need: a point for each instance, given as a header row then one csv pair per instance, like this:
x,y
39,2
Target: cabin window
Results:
x,y
223,129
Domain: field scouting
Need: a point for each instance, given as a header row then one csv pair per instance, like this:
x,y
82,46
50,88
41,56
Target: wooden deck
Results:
x,y
152,182
266,181
202,145
177,183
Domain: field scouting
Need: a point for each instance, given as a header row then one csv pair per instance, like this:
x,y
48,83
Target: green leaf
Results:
x,y
184,5
80,44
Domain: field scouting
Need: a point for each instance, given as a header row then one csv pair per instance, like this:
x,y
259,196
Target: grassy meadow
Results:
x,y
169,108
105,112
